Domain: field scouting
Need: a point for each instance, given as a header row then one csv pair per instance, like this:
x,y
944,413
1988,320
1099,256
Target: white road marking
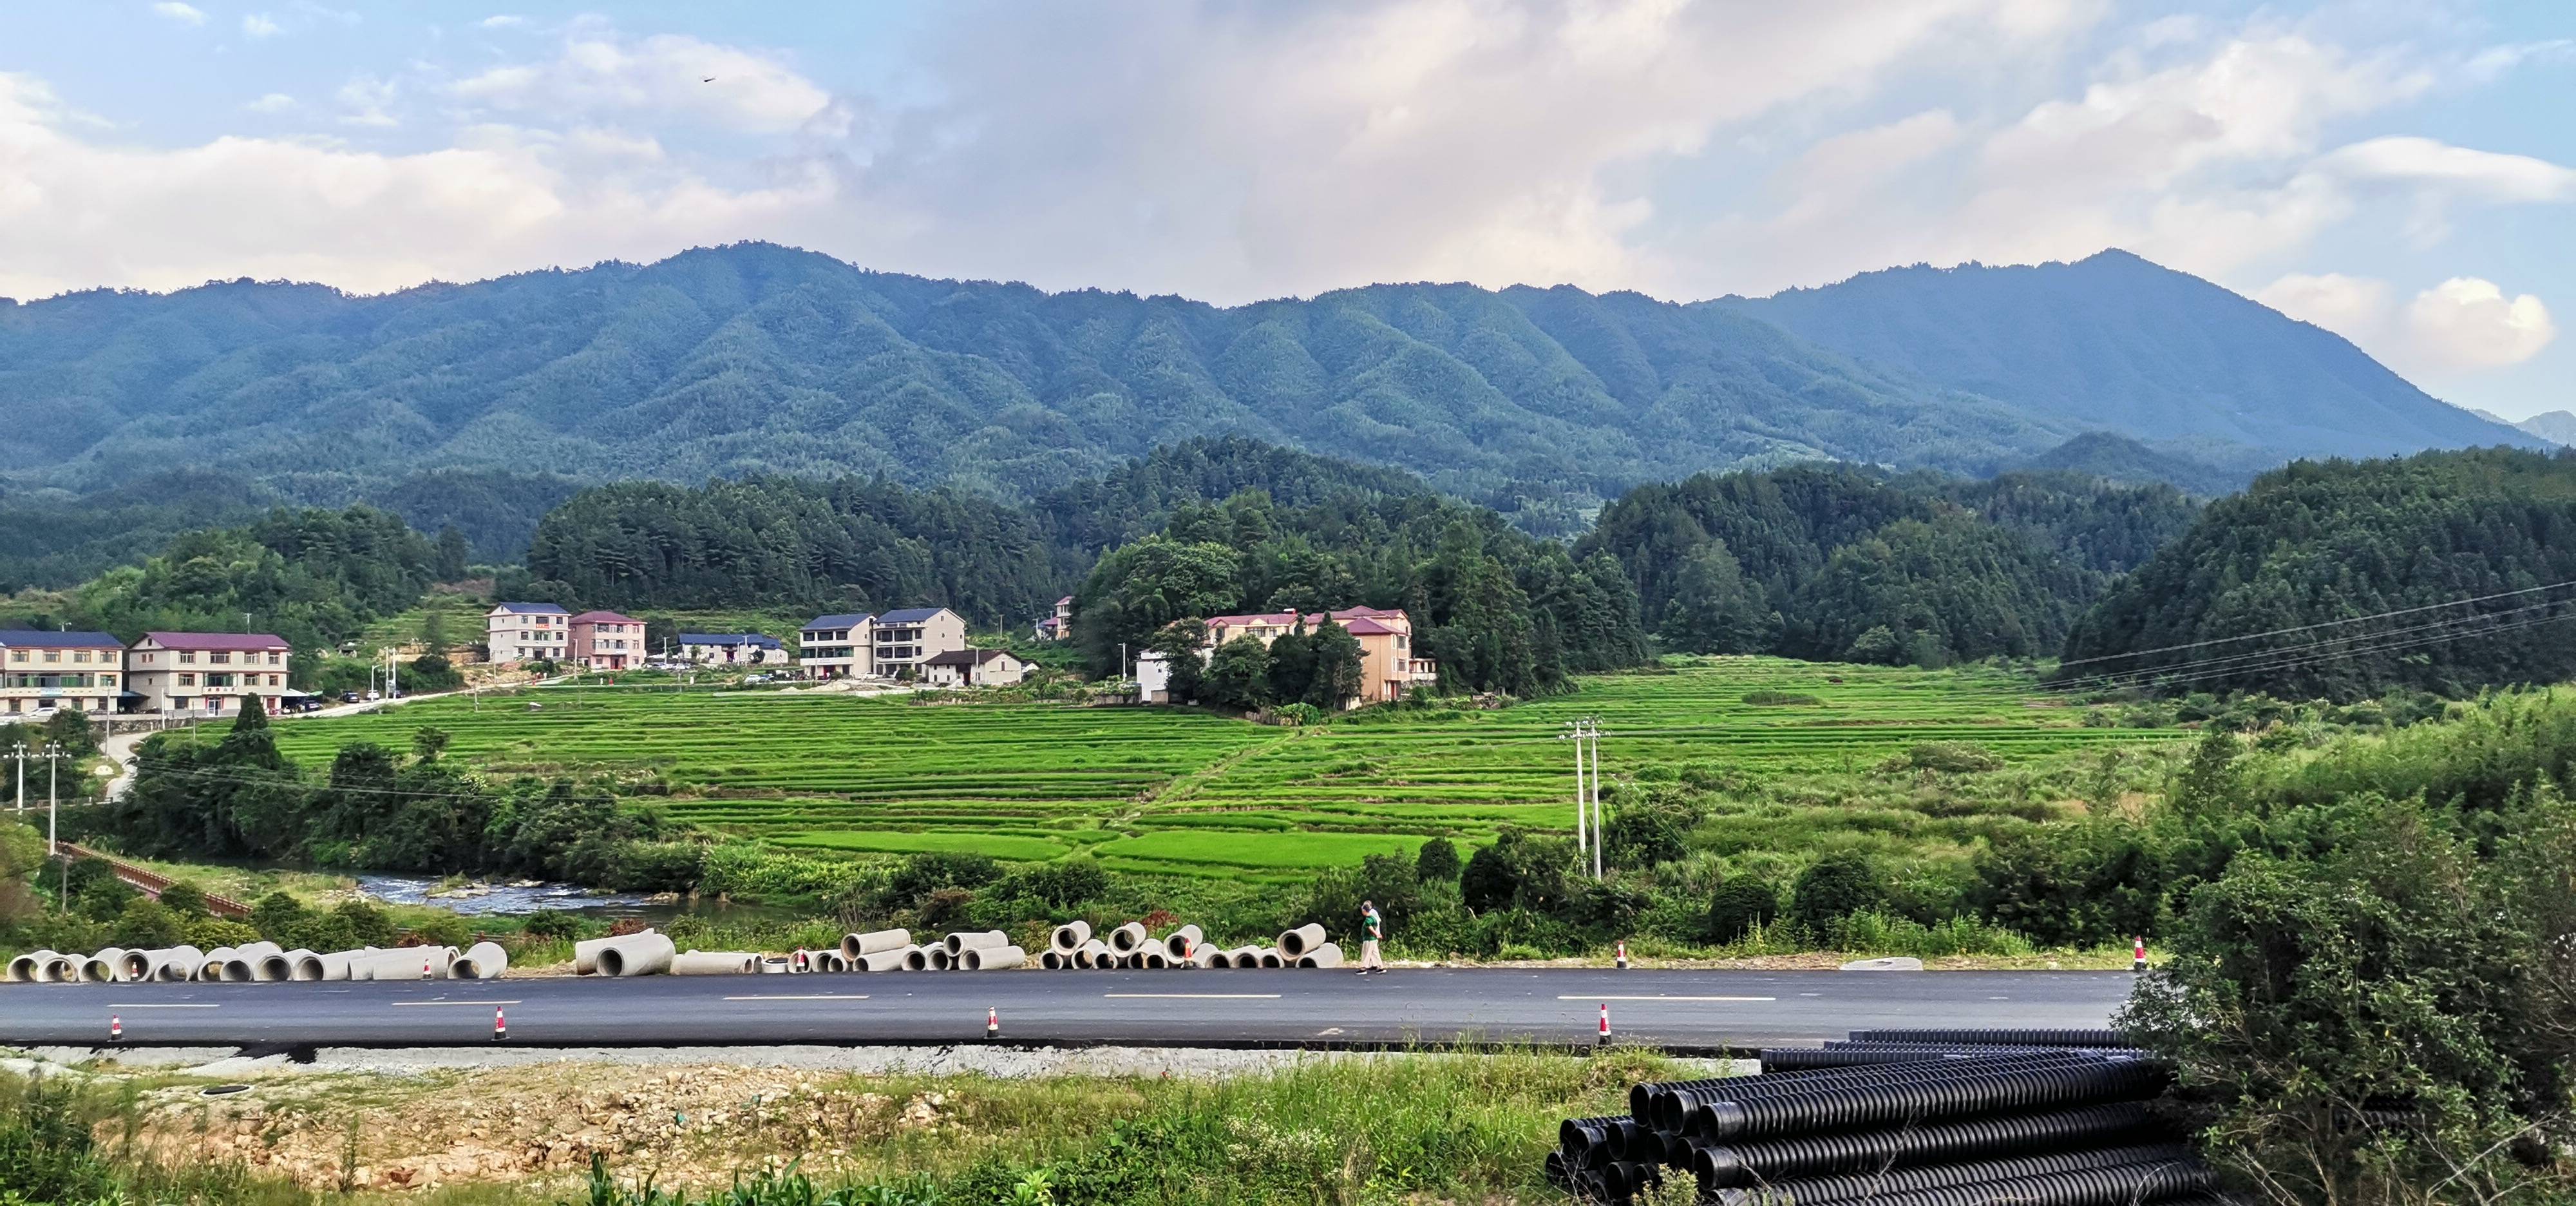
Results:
x,y
1601,998
401,1004
827,996
1198,996
114,1005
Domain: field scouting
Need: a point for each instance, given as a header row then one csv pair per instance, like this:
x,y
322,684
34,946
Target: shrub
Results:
x,y
443,929
1739,905
371,926
184,900
922,874
207,933
1063,884
147,923
1833,887
945,907
275,914
1955,757
1780,699
552,923
1436,862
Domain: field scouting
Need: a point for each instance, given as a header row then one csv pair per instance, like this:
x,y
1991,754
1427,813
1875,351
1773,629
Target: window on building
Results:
x,y
107,680
219,659
187,657
18,655
272,658
187,680
53,656
272,680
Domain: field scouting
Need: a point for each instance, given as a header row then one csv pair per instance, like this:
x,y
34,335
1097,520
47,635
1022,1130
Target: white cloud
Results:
x,y
274,102
2463,325
2460,171
600,72
185,14
258,25
503,21
2467,323
366,100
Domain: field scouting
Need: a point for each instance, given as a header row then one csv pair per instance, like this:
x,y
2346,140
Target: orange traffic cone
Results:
x,y
2138,956
992,1023
1604,1040
115,1028
1623,954
500,1026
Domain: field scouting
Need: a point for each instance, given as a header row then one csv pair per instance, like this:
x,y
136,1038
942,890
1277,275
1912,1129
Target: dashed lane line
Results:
x,y
1196,996
157,1005
1601,998
827,996
416,1004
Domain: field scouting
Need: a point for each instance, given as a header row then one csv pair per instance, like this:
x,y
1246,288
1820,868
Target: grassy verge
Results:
x,y
1421,1127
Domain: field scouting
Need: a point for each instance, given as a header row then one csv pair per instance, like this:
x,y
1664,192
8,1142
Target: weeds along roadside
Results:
x,y
1341,1130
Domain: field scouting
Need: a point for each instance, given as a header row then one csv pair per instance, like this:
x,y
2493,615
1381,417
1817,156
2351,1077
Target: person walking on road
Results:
x,y
1372,928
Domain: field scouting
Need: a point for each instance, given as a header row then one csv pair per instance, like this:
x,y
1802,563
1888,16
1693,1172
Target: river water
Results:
x,y
490,898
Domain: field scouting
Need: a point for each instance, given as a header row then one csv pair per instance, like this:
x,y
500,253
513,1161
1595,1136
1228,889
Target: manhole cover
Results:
x,y
223,1090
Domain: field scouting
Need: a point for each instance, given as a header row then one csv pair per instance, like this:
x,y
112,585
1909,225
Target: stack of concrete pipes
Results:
x,y
260,963
1131,946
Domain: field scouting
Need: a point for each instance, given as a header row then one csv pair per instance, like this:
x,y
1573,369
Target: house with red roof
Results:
x,y
207,673
605,640
1389,663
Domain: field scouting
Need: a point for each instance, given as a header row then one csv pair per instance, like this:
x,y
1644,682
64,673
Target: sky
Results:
x,y
2402,172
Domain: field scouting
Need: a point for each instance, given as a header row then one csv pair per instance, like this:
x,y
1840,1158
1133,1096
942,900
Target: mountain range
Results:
x,y
756,358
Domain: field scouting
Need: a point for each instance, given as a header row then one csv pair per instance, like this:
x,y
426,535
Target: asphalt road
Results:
x,y
1676,1009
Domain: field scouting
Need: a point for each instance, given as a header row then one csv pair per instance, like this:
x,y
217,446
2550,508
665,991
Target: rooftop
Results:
x,y
530,609
604,617
729,638
964,657
909,615
851,620
30,638
217,641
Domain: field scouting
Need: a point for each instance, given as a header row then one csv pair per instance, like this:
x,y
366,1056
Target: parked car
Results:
x,y
348,697
373,697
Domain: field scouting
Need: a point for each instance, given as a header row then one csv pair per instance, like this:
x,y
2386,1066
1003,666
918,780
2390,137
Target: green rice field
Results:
x,y
1185,792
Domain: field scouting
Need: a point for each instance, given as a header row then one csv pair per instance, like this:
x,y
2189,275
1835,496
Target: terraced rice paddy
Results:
x,y
1182,792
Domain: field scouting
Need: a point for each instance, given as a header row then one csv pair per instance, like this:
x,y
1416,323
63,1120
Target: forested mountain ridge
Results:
x,y
2289,587
2114,342
757,358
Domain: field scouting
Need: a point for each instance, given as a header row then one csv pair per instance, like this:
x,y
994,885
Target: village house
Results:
x,y
974,668
42,671
906,638
836,646
605,640
732,649
1389,665
1059,625
207,673
528,632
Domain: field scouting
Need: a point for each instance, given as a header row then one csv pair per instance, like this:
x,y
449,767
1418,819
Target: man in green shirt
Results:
x,y
1371,929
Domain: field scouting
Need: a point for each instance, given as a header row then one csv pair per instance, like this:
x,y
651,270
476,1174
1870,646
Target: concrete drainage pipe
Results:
x,y
1178,944
403,963
1327,955
211,968
1270,957
776,965
645,954
714,963
831,961
959,943
32,968
1153,959
303,965
1246,957
338,965
482,961
1095,955
64,969
894,960
1128,938
160,963
105,967
991,958
1069,937
585,954
1296,942
1051,959
874,942
1205,956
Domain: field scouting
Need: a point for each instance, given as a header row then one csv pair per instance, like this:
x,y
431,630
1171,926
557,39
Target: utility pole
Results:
x,y
1582,821
20,753
1601,824
54,819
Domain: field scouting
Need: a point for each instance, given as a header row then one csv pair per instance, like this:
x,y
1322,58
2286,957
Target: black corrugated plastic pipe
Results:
x,y
1676,1106
2042,1037
1821,1155
1861,1105
1642,1097
1556,1171
1777,1060
1936,1176
2091,1187
1576,1135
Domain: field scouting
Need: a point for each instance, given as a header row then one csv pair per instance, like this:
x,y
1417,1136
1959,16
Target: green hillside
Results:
x,y
2116,343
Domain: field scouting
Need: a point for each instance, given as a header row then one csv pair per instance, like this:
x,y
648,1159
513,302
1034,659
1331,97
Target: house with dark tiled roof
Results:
x,y
974,668
907,637
207,673
733,649
835,646
42,671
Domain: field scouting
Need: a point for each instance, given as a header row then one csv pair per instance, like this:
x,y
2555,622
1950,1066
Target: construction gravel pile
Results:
x,y
1902,1118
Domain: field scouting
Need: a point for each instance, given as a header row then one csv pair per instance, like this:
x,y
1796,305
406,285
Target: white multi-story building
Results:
x,y
527,632
908,637
836,646
42,671
732,649
207,673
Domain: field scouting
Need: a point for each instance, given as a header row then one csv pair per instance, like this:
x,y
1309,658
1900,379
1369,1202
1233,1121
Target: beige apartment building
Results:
x,y
1389,664
42,671
206,673
906,638
527,632
836,646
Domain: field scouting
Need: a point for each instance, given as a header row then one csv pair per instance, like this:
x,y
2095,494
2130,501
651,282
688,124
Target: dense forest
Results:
x,y
1501,610
1838,562
2446,571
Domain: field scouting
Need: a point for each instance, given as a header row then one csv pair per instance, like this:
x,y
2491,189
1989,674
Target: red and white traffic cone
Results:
x,y
1623,954
500,1026
2138,956
1604,1040
115,1028
992,1023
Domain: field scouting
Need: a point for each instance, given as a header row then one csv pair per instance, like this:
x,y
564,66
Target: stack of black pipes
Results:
x,y
1902,1118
